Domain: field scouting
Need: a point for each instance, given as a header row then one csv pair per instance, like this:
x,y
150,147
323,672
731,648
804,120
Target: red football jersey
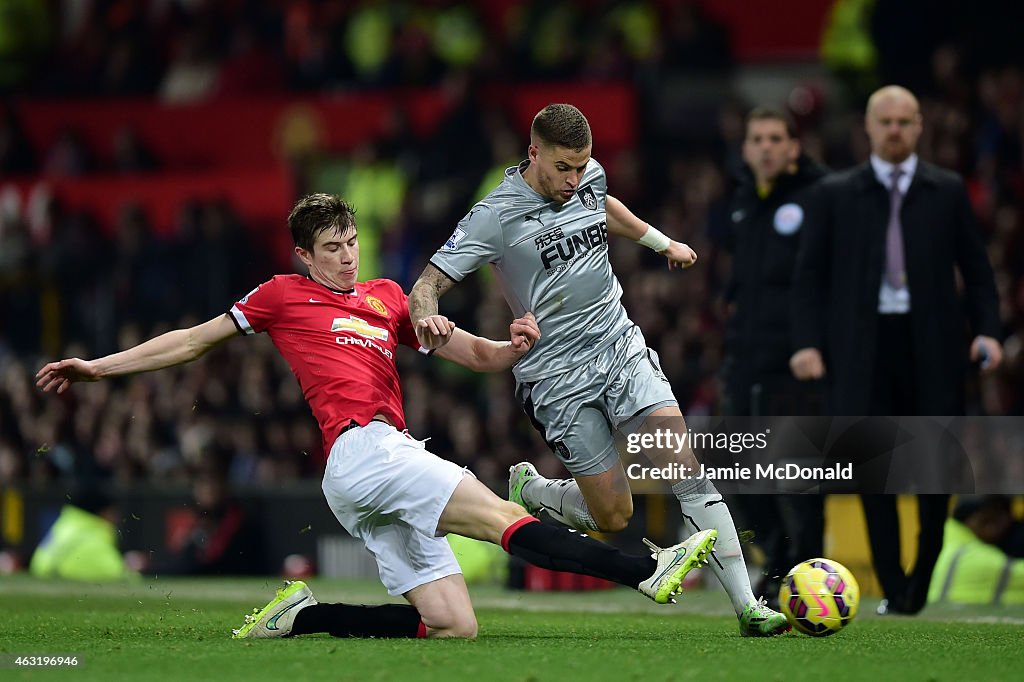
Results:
x,y
340,346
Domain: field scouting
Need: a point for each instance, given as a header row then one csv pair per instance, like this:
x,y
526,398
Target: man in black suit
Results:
x,y
876,311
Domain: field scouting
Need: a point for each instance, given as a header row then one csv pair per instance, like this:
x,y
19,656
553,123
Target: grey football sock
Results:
x,y
703,508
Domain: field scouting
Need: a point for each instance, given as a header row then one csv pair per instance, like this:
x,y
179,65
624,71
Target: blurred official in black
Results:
x,y
877,313
767,216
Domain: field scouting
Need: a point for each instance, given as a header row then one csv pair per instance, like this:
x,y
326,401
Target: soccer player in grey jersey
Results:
x,y
544,230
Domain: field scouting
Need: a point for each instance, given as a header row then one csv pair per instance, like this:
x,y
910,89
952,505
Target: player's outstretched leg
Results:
x,y
561,549
294,611
675,562
475,512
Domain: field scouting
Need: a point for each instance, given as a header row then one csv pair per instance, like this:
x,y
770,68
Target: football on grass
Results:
x,y
819,597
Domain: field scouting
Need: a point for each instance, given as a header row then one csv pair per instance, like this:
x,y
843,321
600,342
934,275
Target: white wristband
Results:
x,y
654,239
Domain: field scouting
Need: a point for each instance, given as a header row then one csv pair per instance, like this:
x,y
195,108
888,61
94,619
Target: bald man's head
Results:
x,y
893,123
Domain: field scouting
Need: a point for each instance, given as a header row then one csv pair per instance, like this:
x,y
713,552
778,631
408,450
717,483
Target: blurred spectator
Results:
x,y
69,156
130,154
216,536
26,30
193,75
367,38
252,66
458,37
82,543
981,560
693,41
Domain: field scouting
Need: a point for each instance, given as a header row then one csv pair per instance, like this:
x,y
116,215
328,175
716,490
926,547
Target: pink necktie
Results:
x,y
895,269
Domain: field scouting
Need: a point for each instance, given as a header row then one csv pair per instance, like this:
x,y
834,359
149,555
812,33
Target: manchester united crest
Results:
x,y
588,197
377,305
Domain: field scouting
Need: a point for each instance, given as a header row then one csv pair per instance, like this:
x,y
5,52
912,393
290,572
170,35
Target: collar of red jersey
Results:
x,y
350,292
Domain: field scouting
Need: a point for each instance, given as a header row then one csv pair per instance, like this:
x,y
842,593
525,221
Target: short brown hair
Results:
x,y
562,125
772,114
315,213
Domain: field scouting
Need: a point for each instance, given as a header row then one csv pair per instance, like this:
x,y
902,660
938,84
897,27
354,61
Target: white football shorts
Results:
x,y
388,490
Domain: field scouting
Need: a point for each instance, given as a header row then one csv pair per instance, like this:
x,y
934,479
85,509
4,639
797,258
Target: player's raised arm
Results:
x,y
172,348
484,355
623,222
426,292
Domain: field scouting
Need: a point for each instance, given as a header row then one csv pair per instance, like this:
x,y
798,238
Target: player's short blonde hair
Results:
x,y
562,125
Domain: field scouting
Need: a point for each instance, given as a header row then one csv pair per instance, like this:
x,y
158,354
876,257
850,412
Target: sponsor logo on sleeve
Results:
x,y
245,299
453,242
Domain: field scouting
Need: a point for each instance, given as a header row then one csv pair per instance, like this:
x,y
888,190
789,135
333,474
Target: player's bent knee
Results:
x,y
464,627
614,521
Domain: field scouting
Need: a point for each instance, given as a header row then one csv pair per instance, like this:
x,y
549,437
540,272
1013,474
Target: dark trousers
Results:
x,y
893,393
906,593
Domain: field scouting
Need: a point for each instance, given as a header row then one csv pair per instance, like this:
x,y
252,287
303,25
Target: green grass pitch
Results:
x,y
179,629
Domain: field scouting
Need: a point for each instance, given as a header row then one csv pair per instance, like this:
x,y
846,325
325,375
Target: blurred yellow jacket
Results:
x,y
971,571
79,546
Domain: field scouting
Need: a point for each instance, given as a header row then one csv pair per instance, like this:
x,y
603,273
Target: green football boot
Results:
x,y
675,562
757,620
277,617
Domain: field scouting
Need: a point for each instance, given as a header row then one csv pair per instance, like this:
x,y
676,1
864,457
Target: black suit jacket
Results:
x,y
839,272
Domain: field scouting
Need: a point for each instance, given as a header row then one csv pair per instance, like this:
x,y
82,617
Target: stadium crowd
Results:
x,y
55,264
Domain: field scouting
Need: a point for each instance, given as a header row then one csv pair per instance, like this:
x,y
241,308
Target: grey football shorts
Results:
x,y
578,411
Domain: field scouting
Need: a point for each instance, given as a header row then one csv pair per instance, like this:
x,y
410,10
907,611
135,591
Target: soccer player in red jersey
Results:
x,y
339,336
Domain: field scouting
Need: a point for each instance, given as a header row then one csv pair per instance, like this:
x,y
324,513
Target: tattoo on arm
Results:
x,y
429,288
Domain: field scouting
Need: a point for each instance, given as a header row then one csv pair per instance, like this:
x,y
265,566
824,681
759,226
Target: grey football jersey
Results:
x,y
548,258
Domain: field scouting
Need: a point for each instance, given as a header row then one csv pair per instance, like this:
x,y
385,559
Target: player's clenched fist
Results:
x,y
434,331
524,332
679,255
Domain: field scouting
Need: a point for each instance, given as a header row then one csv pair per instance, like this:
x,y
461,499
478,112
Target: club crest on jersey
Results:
x,y
377,305
588,197
359,326
453,242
